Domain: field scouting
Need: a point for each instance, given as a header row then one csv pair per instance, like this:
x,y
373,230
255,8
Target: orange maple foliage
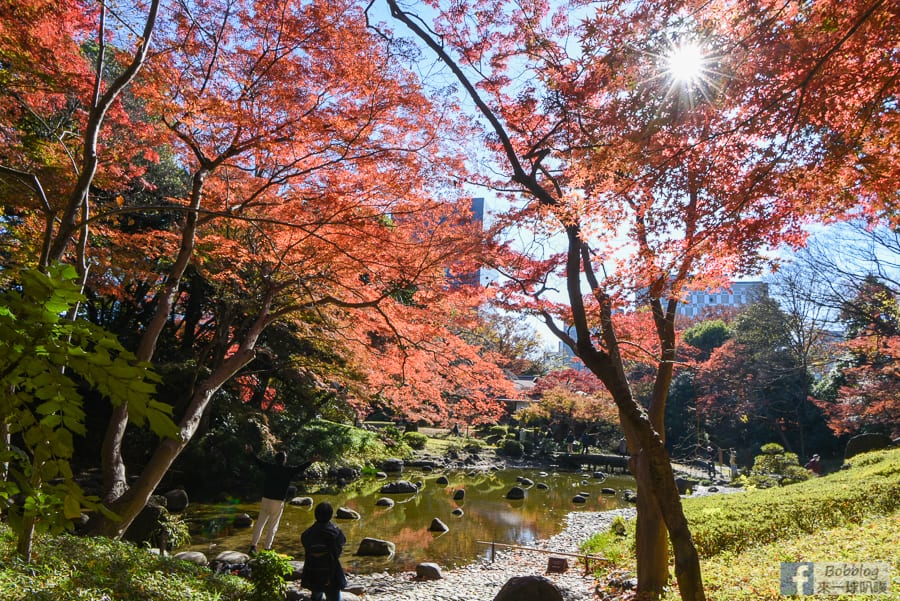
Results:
x,y
654,186
320,194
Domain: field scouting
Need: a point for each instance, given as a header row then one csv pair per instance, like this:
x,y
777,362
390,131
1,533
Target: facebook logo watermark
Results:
x,y
835,578
797,578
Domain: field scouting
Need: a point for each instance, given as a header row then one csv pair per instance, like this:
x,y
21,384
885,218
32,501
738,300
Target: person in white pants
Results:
x,y
278,476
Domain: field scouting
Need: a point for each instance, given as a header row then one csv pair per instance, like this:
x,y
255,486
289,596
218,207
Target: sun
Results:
x,y
685,63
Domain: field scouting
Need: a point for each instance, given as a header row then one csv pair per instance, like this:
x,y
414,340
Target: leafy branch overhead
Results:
x,y
48,359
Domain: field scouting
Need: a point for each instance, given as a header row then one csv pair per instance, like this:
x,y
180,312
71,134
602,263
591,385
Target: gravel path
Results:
x,y
482,581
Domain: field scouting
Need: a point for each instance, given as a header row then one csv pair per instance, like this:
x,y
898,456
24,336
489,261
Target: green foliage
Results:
x,y
512,448
46,356
732,523
172,529
415,440
775,467
707,335
88,569
267,572
349,445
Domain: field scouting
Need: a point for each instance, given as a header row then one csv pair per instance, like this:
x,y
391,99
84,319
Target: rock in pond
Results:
x,y
384,502
442,480
375,547
301,501
438,526
392,465
459,495
516,493
579,499
399,487
458,512
345,513
542,486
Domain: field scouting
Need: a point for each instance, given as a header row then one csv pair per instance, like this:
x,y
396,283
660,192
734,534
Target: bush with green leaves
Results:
x,y
171,531
774,467
92,568
512,448
415,440
267,573
48,355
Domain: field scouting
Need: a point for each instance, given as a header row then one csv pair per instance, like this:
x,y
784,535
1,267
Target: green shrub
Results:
x,y
171,530
87,569
267,572
415,440
775,467
735,522
512,448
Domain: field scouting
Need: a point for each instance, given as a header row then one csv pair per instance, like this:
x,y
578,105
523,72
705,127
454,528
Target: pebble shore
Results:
x,y
481,581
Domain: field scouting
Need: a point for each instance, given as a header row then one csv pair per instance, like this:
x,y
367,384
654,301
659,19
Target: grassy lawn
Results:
x,y
753,574
742,538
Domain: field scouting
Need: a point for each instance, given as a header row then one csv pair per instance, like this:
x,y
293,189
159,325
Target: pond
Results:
x,y
487,516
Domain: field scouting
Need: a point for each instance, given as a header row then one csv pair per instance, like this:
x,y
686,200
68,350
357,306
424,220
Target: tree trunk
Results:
x,y
128,505
26,535
26,538
652,540
112,463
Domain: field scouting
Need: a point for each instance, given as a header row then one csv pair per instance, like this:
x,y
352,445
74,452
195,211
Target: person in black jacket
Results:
x,y
278,478
322,545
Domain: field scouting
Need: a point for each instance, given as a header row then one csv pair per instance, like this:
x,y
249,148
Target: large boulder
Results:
x,y
346,473
529,588
399,487
375,547
516,493
296,570
862,443
146,525
345,513
428,571
195,557
176,500
392,466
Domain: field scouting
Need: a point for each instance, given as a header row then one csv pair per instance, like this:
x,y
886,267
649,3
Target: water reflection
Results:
x,y
487,516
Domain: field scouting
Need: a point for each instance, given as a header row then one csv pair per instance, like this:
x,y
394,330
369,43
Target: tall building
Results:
x,y
737,294
480,276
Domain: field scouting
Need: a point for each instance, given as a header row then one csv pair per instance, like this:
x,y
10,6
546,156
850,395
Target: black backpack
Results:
x,y
318,567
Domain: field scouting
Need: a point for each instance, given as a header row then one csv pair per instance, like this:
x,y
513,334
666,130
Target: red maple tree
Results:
x,y
656,186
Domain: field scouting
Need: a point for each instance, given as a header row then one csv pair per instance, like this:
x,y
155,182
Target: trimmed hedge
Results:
x,y
871,487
